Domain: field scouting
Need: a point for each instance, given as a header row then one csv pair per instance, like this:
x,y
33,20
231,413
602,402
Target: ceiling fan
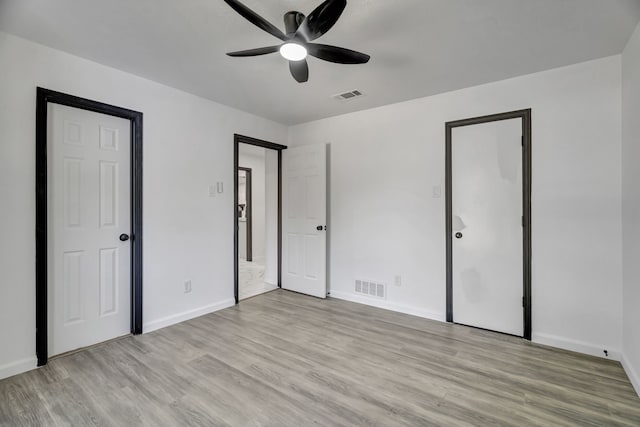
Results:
x,y
301,31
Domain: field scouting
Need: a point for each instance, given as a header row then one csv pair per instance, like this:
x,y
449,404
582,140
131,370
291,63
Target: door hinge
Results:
x,y
523,301
522,140
522,220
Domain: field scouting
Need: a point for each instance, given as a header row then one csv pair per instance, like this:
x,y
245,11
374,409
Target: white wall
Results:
x,y
384,221
631,206
384,163
188,145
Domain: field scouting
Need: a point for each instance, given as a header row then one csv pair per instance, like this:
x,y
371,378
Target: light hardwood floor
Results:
x,y
283,359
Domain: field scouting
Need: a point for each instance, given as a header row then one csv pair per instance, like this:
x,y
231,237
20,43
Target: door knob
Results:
x,y
124,237
458,235
320,227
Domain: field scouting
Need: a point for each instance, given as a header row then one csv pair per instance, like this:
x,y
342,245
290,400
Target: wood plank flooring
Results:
x,y
283,359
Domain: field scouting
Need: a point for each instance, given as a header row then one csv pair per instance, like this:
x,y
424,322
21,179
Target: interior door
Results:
x,y
304,213
89,290
487,214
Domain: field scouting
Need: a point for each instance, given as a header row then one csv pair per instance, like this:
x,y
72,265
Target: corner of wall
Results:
x,y
18,367
630,107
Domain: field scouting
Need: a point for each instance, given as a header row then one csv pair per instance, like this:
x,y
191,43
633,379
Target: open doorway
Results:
x,y
257,220
257,214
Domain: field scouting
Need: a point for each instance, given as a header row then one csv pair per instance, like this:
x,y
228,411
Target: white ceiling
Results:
x,y
418,47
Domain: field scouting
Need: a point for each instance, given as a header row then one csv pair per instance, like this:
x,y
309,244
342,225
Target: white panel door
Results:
x,y
487,226
88,209
304,219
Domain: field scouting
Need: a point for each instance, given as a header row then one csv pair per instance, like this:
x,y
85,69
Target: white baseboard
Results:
x,y
633,375
24,365
186,315
545,339
577,346
18,367
384,304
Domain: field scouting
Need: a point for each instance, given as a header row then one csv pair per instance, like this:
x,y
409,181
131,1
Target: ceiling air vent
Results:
x,y
348,95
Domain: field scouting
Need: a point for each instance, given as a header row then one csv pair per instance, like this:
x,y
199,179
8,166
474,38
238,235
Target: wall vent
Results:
x,y
371,289
348,95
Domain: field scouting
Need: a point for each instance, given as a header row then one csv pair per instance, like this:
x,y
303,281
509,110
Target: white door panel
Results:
x,y
88,209
304,201
487,212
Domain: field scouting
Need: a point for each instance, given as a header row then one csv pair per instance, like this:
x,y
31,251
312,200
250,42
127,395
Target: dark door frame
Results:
x,y
44,97
248,215
237,140
525,115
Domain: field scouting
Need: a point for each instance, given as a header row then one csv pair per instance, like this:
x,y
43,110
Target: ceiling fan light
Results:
x,y
293,51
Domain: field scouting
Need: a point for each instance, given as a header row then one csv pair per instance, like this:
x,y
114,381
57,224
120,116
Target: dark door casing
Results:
x,y
525,115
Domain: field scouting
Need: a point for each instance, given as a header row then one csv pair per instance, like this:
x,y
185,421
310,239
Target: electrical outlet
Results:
x,y
187,287
397,281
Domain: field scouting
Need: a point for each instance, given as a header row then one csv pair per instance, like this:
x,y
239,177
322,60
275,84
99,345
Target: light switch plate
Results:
x,y
436,191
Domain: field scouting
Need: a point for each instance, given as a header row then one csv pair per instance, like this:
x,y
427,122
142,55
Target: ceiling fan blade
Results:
x,y
335,54
299,70
256,19
321,19
255,52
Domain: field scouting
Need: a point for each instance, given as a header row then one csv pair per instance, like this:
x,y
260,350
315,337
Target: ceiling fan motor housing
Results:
x,y
292,21
301,30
